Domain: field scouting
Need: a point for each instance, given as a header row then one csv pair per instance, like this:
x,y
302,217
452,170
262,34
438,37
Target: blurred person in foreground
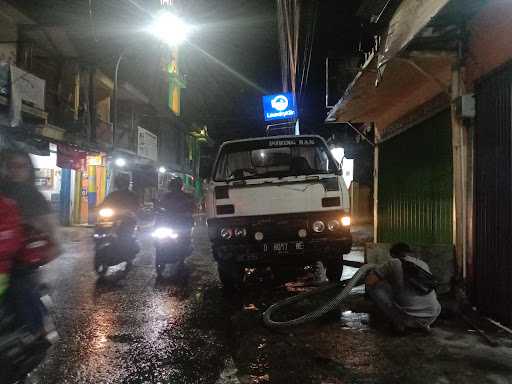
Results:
x,y
403,289
11,242
17,182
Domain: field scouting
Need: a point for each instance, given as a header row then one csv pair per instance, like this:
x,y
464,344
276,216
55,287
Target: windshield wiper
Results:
x,y
235,182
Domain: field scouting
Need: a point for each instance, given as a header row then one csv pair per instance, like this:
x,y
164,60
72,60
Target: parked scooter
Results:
x,y
115,240
173,239
21,351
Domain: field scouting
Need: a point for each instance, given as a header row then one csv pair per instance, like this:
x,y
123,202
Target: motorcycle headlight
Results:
x,y
345,221
164,233
318,226
333,225
106,213
226,233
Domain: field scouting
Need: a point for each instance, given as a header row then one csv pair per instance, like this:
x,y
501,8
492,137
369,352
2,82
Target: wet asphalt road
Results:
x,y
131,328
134,329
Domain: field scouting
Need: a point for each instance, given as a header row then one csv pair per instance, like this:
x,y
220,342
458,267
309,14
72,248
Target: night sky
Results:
x,y
224,89
231,60
243,36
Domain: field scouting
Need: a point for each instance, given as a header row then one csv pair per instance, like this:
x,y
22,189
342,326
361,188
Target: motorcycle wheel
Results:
x,y
33,356
231,275
101,269
159,265
159,269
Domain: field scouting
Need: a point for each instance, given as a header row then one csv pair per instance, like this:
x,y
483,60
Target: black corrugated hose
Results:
x,y
320,311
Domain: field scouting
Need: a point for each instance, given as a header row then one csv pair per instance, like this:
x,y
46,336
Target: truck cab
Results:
x,y
278,202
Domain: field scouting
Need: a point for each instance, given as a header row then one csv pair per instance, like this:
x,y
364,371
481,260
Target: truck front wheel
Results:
x,y
334,268
231,276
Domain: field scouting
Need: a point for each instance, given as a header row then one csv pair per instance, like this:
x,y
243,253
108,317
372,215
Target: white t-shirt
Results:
x,y
407,298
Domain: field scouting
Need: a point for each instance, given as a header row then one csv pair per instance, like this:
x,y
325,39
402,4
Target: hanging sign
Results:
x,y
147,145
27,87
280,106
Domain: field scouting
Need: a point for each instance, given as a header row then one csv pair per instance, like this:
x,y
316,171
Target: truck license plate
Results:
x,y
283,247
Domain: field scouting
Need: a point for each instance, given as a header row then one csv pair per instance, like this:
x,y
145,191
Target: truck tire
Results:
x,y
334,268
231,276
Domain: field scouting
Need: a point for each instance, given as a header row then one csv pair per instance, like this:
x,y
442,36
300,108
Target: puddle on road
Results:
x,y
354,320
124,338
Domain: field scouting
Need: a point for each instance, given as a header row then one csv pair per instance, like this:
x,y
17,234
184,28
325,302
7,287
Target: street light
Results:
x,y
162,170
120,162
166,27
169,28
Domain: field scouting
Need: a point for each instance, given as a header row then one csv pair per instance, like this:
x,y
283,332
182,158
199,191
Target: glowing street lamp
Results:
x,y
166,27
169,28
162,170
120,162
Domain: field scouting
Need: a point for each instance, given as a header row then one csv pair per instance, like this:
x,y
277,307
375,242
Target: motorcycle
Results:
x,y
20,350
115,240
173,240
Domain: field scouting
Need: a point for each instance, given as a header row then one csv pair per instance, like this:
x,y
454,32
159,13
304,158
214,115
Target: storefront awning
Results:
x,y
407,84
395,82
408,20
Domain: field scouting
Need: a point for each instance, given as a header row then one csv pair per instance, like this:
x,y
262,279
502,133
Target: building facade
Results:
x,y
437,90
57,103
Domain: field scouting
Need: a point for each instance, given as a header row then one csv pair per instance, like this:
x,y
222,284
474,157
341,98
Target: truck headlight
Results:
x,y
345,221
106,213
164,233
226,233
240,232
333,225
318,226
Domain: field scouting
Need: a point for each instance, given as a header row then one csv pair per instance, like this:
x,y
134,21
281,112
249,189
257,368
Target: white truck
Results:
x,y
277,201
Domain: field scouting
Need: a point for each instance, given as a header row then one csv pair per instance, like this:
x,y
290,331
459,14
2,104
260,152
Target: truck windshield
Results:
x,y
252,162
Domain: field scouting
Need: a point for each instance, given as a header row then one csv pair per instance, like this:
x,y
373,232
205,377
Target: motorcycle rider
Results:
x,y
124,202
175,209
18,184
20,349
125,205
122,199
175,201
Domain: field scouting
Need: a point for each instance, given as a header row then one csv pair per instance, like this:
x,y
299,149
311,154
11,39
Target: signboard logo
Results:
x,y
280,102
279,107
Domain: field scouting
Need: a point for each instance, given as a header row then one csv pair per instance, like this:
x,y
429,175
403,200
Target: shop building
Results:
x,y
58,106
436,88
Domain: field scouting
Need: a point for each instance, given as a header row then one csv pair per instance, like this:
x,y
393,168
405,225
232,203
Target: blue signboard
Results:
x,y
280,106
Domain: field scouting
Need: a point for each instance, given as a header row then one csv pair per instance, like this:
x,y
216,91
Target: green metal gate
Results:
x,y
415,184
